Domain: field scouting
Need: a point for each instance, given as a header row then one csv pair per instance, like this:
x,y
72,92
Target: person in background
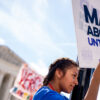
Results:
x,y
62,77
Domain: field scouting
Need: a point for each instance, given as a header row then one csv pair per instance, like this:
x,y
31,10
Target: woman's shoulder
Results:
x,y
46,93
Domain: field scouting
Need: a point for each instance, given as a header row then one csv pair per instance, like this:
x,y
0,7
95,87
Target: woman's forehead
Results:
x,y
73,69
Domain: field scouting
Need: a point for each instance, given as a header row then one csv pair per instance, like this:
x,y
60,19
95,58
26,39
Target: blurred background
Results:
x,y
35,32
39,31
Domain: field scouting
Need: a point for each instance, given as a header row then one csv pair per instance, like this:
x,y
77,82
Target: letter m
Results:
x,y
88,16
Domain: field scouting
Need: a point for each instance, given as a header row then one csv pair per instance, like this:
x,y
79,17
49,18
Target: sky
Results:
x,y
39,31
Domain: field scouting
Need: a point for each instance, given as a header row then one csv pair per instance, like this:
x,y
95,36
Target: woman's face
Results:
x,y
69,80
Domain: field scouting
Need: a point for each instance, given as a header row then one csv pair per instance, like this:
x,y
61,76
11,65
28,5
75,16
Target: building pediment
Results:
x,y
8,55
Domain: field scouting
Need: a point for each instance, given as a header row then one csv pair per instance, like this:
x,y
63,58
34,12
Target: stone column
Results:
x,y
7,85
2,74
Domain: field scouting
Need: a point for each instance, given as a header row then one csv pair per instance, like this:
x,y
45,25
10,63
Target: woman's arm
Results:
x,y
94,85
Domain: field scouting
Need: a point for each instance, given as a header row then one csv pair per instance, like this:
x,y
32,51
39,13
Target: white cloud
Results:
x,y
65,1
27,30
68,44
39,67
39,9
28,27
2,41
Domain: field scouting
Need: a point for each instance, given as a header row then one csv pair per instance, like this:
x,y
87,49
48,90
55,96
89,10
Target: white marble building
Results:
x,y
9,66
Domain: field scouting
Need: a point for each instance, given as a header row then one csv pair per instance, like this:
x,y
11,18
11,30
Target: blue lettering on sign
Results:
x,y
92,17
94,42
94,30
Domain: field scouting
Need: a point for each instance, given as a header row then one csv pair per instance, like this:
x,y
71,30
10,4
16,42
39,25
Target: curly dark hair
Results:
x,y
62,64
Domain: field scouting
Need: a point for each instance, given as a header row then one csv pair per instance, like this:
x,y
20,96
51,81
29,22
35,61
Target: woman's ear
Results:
x,y
59,73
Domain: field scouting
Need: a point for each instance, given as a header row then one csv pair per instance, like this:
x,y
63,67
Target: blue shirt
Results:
x,y
46,93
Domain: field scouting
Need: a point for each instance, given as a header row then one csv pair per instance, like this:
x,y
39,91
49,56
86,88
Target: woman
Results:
x,y
62,76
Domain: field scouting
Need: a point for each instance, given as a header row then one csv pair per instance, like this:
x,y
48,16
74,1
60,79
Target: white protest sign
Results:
x,y
87,27
27,83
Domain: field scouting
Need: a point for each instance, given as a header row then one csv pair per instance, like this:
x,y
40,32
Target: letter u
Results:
x,y
90,43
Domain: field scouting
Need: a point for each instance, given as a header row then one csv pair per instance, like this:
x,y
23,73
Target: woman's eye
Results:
x,y
74,76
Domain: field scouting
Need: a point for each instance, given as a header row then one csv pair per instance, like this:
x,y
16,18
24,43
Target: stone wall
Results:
x,y
9,67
